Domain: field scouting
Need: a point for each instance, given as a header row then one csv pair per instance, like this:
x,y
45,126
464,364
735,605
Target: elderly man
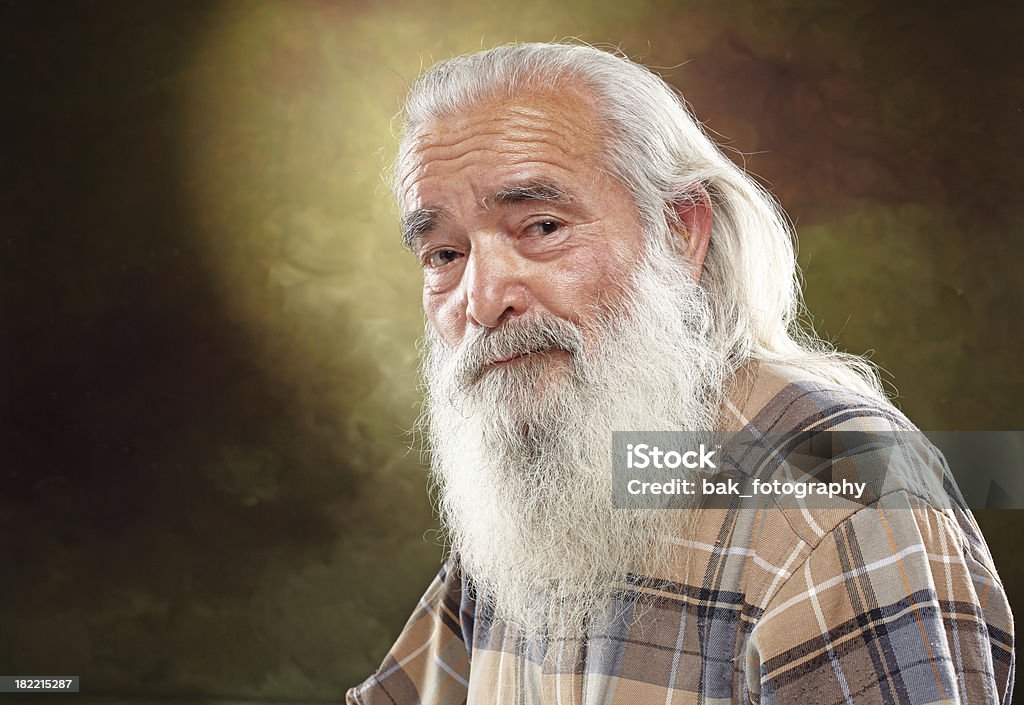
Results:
x,y
592,263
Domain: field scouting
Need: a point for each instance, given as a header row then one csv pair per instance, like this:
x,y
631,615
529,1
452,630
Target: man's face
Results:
x,y
553,321
512,216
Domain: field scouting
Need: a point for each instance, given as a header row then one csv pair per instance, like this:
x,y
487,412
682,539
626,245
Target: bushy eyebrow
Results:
x,y
417,224
544,191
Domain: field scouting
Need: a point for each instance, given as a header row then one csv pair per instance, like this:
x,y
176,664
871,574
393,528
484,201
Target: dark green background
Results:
x,y
208,325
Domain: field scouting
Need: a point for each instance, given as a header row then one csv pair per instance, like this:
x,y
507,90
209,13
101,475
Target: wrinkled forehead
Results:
x,y
550,127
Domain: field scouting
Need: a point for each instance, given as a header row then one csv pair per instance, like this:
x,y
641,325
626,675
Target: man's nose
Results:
x,y
494,285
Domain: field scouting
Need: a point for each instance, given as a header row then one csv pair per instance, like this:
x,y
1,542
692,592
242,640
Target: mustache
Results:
x,y
484,348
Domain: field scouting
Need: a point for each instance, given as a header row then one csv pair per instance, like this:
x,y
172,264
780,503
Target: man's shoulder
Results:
x,y
774,397
817,435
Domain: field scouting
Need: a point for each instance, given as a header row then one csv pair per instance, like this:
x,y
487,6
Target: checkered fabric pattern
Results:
x,y
895,602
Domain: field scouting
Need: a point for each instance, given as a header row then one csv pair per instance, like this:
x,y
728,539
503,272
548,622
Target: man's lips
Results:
x,y
513,358
520,356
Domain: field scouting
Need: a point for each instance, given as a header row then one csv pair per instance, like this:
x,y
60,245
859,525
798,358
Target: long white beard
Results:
x,y
521,453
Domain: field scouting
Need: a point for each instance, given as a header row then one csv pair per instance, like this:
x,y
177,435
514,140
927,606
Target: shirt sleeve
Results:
x,y
900,603
430,661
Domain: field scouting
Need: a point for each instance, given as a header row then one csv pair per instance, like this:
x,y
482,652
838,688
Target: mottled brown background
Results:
x,y
208,324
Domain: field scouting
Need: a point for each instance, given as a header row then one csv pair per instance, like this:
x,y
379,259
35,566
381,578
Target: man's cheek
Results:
x,y
595,276
446,316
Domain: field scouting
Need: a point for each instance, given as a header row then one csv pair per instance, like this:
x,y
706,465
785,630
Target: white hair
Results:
x,y
657,149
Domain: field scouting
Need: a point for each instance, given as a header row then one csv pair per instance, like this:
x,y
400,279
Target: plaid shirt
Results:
x,y
894,602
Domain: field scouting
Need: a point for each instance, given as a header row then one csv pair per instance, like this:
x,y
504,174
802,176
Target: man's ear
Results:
x,y
695,218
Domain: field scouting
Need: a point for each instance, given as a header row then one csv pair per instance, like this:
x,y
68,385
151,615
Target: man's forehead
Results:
x,y
566,116
498,141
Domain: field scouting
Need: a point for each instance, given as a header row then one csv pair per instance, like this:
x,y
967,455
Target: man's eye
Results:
x,y
441,258
545,227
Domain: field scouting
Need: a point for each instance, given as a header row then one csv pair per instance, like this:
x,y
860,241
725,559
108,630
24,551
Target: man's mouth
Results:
x,y
520,356
513,358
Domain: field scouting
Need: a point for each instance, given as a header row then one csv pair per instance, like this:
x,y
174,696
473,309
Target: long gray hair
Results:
x,y
660,152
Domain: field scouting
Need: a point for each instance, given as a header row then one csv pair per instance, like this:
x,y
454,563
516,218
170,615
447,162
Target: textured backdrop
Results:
x,y
208,325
